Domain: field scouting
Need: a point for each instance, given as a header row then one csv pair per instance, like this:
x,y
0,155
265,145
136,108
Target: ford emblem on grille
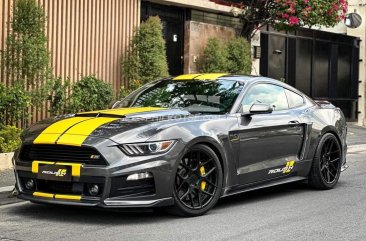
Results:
x,y
94,157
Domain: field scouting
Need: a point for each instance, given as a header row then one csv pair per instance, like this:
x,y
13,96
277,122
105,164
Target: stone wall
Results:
x,y
195,39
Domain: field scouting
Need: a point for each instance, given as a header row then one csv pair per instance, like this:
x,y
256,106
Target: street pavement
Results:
x,y
287,212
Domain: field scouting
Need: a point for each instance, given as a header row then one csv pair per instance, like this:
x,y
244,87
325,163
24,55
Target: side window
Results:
x,y
294,100
268,94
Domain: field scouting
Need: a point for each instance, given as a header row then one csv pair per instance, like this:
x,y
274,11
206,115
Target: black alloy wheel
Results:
x,y
198,181
327,163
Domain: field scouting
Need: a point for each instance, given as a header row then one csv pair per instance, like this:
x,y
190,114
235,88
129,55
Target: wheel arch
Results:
x,y
217,148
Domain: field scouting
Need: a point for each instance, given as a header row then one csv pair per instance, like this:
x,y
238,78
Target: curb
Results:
x,y
6,189
356,148
5,161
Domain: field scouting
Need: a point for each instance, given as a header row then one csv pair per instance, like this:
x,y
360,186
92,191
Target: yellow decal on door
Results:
x,y
286,169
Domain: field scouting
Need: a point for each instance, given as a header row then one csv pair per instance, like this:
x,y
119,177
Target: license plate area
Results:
x,y
62,173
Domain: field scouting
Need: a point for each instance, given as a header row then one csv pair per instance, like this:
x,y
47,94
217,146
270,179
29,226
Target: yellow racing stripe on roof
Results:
x,y
186,76
52,132
210,76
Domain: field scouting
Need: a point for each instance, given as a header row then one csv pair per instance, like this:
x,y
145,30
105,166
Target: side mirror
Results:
x,y
259,108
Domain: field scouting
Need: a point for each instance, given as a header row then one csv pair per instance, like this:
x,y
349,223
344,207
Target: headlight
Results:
x,y
147,148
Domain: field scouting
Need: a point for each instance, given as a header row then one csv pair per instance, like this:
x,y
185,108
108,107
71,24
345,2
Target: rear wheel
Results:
x,y
198,181
326,166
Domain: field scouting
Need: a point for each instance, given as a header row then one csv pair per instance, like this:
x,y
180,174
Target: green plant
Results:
x,y
9,138
57,96
146,59
90,93
26,57
25,60
14,104
239,59
215,57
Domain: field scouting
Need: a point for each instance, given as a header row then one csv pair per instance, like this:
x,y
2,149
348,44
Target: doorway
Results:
x,y
172,19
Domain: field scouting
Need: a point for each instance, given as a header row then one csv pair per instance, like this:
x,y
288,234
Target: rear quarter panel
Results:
x,y
325,119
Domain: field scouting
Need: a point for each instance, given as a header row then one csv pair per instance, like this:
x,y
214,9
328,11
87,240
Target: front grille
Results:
x,y
62,153
80,187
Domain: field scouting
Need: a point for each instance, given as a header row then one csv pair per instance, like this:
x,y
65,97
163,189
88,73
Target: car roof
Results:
x,y
215,76
218,76
235,77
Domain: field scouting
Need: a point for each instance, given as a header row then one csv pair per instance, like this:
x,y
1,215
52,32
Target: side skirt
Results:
x,y
246,188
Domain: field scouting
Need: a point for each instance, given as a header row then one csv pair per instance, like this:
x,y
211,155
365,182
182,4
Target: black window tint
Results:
x,y
294,100
268,94
195,96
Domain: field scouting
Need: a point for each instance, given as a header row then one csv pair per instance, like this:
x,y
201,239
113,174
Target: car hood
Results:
x,y
76,129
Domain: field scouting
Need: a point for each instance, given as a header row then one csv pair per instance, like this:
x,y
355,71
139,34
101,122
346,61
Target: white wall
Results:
x,y
359,6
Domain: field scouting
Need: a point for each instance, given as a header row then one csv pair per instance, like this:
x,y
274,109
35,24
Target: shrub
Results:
x,y
233,56
214,57
90,93
9,138
239,56
26,57
57,96
14,104
146,60
25,60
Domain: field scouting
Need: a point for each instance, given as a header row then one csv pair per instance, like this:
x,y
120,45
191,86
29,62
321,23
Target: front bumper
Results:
x,y
116,191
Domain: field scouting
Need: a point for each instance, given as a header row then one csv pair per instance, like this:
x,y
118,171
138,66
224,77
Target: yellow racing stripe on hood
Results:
x,y
73,131
77,134
52,132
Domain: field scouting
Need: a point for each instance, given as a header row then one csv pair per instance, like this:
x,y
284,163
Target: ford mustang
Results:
x,y
182,143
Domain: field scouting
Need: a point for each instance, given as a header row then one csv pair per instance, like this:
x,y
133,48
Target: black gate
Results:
x,y
322,65
172,19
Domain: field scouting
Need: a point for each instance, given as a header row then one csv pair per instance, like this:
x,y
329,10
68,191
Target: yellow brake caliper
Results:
x,y
203,172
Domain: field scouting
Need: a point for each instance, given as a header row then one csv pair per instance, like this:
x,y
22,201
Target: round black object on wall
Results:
x,y
353,20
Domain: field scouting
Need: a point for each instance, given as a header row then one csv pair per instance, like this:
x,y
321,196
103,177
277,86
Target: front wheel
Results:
x,y
198,181
326,167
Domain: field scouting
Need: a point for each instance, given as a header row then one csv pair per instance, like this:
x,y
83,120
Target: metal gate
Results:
x,y
323,65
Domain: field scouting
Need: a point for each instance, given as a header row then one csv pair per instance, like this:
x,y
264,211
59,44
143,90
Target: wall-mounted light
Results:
x,y
353,20
257,52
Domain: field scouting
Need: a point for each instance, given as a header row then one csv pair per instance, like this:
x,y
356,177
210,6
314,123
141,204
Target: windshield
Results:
x,y
195,96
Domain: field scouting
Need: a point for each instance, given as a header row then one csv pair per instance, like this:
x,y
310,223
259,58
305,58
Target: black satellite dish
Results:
x,y
353,20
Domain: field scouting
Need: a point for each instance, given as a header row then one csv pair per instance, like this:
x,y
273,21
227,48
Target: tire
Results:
x,y
326,168
197,183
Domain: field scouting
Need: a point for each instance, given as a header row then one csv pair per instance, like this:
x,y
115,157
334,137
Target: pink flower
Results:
x,y
306,1
285,15
294,21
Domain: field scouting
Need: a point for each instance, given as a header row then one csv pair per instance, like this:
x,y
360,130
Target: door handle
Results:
x,y
293,123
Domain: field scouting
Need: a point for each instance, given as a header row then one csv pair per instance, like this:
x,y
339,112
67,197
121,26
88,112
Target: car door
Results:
x,y
269,143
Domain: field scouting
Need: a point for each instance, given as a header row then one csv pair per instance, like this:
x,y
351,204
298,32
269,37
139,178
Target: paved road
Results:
x,y
291,212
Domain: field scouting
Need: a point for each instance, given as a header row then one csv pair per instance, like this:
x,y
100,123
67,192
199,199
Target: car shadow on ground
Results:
x,y
117,217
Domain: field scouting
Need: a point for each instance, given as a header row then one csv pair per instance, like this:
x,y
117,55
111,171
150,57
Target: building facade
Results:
x,y
89,37
359,6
